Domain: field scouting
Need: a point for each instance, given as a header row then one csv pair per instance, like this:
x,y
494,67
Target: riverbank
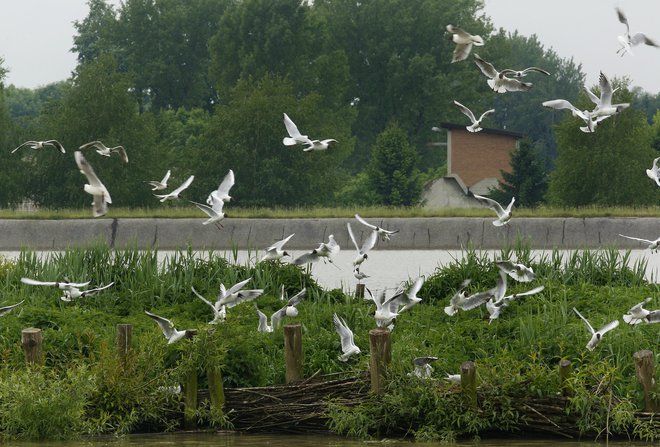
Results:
x,y
417,233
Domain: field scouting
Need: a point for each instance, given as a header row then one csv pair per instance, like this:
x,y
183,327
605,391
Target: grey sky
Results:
x,y
36,36
587,30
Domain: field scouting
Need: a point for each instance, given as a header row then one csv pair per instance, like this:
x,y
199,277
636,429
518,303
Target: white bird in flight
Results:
x,y
94,187
367,245
457,299
495,307
497,80
604,106
214,212
517,271
160,185
627,41
348,346
651,245
276,250
637,314
384,314
41,144
222,193
503,214
464,42
288,310
73,293
295,137
171,333
174,195
654,172
236,295
590,120
324,251
476,123
102,149
382,232
407,299
524,72
596,336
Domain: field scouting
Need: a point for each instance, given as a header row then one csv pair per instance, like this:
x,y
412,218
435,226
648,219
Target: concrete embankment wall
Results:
x,y
415,233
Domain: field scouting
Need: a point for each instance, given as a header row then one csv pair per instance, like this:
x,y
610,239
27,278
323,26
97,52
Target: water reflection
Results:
x,y
246,440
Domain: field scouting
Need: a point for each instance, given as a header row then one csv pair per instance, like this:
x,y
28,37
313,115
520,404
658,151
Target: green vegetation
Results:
x,y
85,388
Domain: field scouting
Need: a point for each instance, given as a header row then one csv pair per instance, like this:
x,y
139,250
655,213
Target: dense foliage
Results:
x,y
86,388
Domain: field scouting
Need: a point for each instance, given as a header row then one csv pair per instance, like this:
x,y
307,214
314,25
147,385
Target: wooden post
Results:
x,y
565,371
216,390
380,348
293,354
124,333
645,372
359,290
469,382
190,394
31,340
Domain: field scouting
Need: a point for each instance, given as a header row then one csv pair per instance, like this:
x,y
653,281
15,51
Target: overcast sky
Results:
x,y
36,36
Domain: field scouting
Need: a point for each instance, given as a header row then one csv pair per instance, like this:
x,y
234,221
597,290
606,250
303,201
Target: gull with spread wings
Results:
x,y
476,123
41,144
94,187
382,232
160,185
102,149
503,214
169,331
174,195
596,336
348,346
276,250
464,42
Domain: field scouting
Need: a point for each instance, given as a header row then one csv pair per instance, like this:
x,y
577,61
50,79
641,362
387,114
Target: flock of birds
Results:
x,y
507,80
402,300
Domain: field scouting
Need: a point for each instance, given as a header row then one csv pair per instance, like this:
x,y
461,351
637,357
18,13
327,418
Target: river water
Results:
x,y
244,440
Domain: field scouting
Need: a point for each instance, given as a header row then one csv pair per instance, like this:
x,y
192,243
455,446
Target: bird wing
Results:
x,y
236,287
122,153
364,222
87,170
416,287
461,52
559,104
277,317
490,203
485,114
291,128
263,321
184,185
93,144
165,325
226,184
27,143
467,112
297,298
514,85
475,300
279,244
609,326
639,306
623,19
529,292
636,238
638,38
202,298
207,209
352,236
34,282
5,310
605,90
98,289
306,258
485,67
244,295
421,361
345,334
369,242
56,144
589,326
166,178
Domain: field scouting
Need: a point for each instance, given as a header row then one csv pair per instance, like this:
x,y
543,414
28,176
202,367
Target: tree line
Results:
x,y
200,86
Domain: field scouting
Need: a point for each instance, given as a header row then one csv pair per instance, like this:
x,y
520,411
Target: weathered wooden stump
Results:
x,y
469,382
190,394
645,371
380,347
359,290
565,371
293,354
124,336
31,341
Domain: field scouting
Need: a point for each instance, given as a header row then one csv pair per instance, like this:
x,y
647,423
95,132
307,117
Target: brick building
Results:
x,y
474,161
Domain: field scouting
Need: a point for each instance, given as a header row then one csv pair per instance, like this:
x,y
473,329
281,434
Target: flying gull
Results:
x,y
464,42
102,149
94,187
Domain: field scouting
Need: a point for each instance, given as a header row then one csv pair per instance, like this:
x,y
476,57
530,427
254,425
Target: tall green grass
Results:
x,y
516,355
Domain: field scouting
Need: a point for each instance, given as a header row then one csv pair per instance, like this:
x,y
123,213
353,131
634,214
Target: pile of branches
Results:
x,y
293,408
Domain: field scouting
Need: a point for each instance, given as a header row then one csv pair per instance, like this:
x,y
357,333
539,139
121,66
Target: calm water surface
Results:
x,y
238,440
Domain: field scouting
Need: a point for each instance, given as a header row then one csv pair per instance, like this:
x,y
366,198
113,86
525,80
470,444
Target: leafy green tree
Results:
x,y
605,167
527,181
246,135
392,170
97,106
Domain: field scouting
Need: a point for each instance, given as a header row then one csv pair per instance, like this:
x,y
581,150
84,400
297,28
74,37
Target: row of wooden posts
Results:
x,y
380,348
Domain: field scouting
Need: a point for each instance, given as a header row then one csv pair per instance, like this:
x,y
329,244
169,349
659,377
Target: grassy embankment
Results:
x,y
84,389
168,211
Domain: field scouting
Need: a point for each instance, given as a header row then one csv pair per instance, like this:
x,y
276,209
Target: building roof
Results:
x,y
452,126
